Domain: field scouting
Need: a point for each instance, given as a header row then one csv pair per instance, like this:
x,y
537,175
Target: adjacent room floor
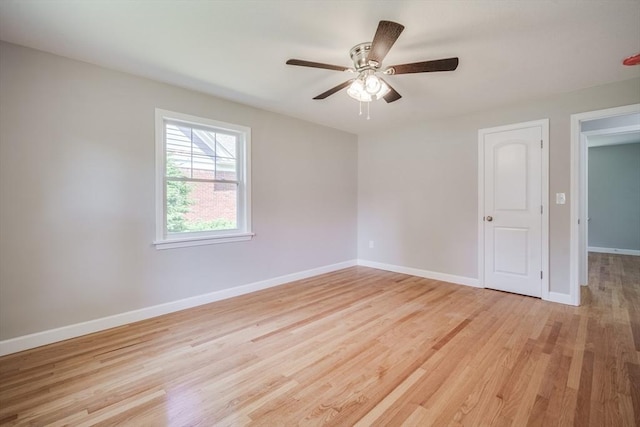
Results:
x,y
358,346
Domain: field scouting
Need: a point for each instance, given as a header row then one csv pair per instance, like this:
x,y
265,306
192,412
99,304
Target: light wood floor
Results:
x,y
359,346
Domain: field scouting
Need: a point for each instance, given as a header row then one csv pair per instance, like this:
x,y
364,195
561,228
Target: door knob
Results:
x,y
489,218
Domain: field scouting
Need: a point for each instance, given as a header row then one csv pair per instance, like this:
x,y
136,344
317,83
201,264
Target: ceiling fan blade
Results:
x,y
392,95
303,63
334,90
448,64
386,35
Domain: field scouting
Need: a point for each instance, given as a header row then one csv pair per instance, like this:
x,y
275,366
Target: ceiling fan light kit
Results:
x,y
367,62
367,87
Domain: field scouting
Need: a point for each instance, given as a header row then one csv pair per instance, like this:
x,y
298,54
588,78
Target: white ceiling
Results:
x,y
510,51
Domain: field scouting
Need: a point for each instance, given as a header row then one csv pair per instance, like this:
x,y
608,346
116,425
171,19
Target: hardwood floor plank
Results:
x,y
583,406
553,336
578,353
538,411
553,390
528,398
358,346
634,381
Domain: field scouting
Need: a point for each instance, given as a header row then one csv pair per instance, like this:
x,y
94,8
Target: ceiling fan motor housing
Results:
x,y
360,56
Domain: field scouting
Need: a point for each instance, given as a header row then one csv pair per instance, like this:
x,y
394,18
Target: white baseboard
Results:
x,y
614,251
459,280
561,298
38,339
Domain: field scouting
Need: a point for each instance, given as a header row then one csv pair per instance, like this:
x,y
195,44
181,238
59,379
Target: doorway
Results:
x,y
513,213
607,122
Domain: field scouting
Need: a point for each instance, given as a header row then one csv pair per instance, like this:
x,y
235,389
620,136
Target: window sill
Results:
x,y
199,241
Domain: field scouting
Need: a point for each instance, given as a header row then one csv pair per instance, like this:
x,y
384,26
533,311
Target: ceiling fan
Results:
x,y
367,63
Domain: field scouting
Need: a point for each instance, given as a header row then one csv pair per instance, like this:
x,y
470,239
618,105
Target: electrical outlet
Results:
x,y
371,244
561,199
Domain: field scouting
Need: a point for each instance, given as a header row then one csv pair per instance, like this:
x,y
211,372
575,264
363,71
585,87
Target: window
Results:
x,y
202,181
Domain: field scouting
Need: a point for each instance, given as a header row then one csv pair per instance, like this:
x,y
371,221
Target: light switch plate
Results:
x,y
561,199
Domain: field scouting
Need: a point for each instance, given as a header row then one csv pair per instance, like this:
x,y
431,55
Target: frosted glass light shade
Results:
x,y
372,84
361,87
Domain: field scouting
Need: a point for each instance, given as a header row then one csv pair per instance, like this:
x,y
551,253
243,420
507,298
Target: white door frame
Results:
x,y
544,123
578,208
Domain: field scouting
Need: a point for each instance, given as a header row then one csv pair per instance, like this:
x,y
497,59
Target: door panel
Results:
x,y
512,210
512,243
510,180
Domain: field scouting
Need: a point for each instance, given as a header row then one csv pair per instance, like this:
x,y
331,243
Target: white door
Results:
x,y
512,207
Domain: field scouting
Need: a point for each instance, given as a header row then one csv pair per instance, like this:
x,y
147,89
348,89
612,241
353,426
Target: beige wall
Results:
x,y
418,192
77,195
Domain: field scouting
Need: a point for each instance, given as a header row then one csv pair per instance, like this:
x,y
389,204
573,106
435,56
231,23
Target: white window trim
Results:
x,y
163,240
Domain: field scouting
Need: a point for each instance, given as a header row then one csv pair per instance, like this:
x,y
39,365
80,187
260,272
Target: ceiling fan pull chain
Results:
x,y
368,117
360,103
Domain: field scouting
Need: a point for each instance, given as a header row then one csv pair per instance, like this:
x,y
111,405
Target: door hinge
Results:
x,y
540,274
541,143
541,209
